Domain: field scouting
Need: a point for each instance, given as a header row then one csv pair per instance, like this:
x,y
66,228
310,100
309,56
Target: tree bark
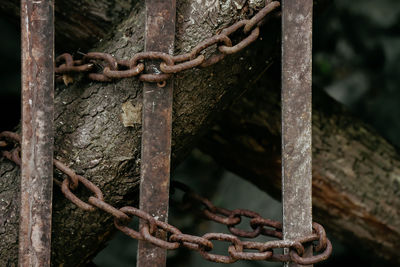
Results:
x,y
79,24
92,139
356,173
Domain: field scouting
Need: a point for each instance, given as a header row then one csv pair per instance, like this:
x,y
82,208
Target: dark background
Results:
x,y
356,60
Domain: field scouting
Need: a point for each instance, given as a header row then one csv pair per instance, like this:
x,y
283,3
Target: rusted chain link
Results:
x,y
116,69
238,249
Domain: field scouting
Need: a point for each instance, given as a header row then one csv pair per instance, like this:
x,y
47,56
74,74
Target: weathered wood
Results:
x,y
356,173
91,138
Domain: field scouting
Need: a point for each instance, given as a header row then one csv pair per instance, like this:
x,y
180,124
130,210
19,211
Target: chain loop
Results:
x,y
262,254
237,244
69,172
144,231
110,61
70,65
257,18
261,222
132,71
138,213
243,44
243,233
220,38
182,66
192,242
270,245
118,214
216,216
65,188
158,77
312,259
11,136
13,155
322,241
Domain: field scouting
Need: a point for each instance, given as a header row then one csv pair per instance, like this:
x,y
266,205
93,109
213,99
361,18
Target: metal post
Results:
x,y
296,119
156,128
37,36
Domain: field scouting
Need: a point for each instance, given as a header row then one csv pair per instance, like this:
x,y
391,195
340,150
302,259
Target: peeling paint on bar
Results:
x,y
156,128
296,119
37,38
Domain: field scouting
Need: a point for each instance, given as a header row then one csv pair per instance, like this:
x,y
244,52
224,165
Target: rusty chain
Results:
x,y
237,250
111,69
116,69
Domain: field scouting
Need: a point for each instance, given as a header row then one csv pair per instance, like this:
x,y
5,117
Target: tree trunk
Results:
x,y
356,173
91,138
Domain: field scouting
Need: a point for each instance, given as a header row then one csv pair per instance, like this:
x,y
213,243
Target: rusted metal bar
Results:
x,y
156,128
296,119
37,34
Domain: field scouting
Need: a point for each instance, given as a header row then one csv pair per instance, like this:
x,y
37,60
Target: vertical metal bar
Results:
x,y
156,128
296,119
37,37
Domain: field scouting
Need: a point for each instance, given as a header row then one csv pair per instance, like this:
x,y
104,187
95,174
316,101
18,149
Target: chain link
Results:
x,y
112,68
173,238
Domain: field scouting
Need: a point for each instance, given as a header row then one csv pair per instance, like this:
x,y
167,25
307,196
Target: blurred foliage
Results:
x,y
357,60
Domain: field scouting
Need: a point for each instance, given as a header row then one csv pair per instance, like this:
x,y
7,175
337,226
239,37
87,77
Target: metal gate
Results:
x,y
304,242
